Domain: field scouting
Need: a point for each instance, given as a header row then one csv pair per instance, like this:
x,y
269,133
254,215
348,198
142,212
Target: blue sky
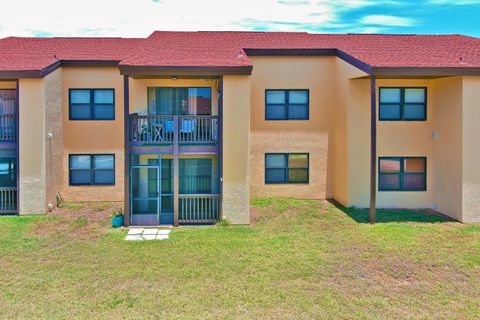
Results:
x,y
138,18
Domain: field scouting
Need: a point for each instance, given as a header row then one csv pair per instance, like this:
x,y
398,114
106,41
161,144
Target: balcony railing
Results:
x,y
162,129
8,200
198,208
8,132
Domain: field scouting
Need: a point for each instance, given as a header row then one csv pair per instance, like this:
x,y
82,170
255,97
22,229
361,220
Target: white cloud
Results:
x,y
138,18
454,2
385,20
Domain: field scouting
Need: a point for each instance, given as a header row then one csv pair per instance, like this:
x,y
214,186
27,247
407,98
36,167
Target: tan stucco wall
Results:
x,y
32,146
349,93
54,143
310,136
394,138
471,149
447,146
236,127
8,84
95,136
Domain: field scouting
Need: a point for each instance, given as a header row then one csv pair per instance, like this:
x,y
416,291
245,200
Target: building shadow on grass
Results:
x,y
393,215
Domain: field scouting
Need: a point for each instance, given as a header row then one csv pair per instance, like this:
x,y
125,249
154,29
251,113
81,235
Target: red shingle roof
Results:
x,y
226,49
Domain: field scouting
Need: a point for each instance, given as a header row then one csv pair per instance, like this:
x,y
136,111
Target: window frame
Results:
x,y
287,168
402,173
402,103
287,105
91,169
92,104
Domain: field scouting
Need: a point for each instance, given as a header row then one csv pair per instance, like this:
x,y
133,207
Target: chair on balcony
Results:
x,y
188,126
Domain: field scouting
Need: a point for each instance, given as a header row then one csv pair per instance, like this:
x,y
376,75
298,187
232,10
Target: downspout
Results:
x,y
373,149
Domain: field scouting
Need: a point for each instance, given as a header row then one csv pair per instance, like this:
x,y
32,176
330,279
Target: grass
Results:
x,y
299,259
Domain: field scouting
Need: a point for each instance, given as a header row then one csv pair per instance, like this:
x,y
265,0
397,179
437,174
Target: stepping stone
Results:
x,y
162,237
149,236
135,231
164,232
133,238
150,231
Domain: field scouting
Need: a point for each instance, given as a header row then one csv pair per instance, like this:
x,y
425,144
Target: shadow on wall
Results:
x,y
393,215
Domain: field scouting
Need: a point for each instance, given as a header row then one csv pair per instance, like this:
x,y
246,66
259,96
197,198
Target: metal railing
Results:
x,y
8,200
8,126
198,208
161,129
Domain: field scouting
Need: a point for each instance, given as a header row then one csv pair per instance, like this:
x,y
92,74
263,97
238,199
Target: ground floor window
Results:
x,y
402,174
195,176
286,167
92,169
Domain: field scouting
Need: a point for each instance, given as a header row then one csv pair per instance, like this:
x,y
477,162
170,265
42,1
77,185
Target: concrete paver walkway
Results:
x,y
137,234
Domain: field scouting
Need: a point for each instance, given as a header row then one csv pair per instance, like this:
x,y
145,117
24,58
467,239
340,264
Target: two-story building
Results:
x,y
185,128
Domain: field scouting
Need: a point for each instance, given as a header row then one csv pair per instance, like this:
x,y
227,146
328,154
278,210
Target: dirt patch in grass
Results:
x,y
80,220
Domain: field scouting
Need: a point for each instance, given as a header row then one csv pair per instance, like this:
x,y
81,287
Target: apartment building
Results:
x,y
185,128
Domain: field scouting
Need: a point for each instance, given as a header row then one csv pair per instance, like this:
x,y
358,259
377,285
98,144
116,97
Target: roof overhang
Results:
x,y
146,71
24,74
396,72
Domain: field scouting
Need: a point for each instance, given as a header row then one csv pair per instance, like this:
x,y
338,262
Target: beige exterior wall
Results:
x,y
447,146
32,146
8,84
349,93
310,136
236,128
471,150
53,136
394,138
93,137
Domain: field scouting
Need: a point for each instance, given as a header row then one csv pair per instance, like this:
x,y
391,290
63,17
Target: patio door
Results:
x,y
145,204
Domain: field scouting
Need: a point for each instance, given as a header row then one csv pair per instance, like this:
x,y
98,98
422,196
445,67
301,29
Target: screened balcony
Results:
x,y
175,114
159,129
8,184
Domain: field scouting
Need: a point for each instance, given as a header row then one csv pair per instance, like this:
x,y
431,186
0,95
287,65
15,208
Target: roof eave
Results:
x,y
425,71
184,70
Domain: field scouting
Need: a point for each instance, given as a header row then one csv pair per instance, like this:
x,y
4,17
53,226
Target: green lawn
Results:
x,y
300,260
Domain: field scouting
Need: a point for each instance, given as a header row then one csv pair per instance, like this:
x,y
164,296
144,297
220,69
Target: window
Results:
x,y
286,104
8,100
286,168
92,104
402,174
179,101
406,104
195,176
97,169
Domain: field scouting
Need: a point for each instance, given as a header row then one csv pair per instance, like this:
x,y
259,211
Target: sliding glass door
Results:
x,y
179,101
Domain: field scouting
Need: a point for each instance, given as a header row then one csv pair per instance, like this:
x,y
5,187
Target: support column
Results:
x,y
175,172
126,129
373,149
220,147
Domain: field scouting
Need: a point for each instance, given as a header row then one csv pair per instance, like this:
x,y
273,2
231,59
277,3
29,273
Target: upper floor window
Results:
x,y
286,168
402,174
286,104
92,169
92,104
408,104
